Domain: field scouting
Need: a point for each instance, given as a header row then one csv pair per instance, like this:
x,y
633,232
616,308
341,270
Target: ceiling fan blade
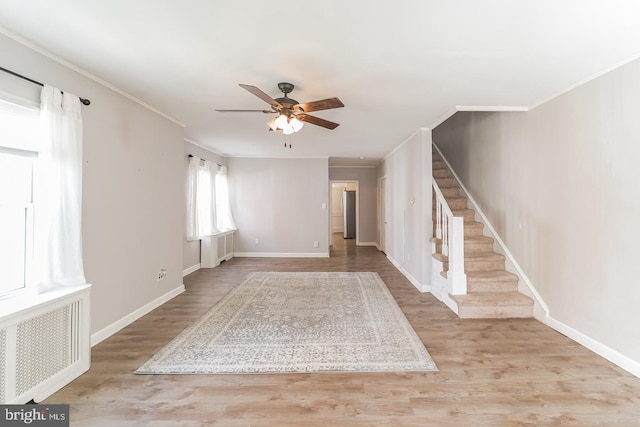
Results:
x,y
307,118
260,94
246,111
323,104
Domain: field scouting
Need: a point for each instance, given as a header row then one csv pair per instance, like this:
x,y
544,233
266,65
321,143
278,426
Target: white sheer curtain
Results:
x,y
201,199
58,193
223,208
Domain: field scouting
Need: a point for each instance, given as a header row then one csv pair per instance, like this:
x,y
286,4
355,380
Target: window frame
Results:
x,y
29,224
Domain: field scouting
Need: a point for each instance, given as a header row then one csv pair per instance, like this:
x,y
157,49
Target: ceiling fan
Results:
x,y
290,113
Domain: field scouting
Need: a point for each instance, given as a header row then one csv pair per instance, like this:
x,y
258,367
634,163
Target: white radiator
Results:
x,y
44,343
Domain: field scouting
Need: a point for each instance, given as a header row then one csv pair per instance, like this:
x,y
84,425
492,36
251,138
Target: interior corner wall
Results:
x,y
368,195
560,186
408,173
191,249
282,202
132,191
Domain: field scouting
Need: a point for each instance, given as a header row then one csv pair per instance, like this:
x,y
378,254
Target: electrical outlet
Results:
x,y
257,241
316,244
162,274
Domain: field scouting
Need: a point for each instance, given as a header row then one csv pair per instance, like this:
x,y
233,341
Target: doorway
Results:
x,y
339,207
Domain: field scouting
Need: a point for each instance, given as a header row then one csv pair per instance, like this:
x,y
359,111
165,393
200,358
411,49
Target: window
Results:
x,y
19,139
208,209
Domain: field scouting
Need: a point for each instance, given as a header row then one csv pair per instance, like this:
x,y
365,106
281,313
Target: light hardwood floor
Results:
x,y
491,372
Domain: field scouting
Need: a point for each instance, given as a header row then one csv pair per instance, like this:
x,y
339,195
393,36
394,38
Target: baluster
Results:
x,y
438,219
445,235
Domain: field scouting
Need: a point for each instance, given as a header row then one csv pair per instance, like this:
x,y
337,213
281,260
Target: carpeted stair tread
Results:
x,y
457,202
482,261
438,164
478,239
473,228
441,173
446,182
471,243
493,299
491,276
482,256
491,281
469,215
450,192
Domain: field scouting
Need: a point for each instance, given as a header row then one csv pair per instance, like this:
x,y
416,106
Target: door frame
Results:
x,y
383,204
347,181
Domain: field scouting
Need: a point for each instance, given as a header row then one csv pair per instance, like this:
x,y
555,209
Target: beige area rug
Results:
x,y
298,322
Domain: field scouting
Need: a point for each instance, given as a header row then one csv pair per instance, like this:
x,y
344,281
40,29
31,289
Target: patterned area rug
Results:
x,y
298,322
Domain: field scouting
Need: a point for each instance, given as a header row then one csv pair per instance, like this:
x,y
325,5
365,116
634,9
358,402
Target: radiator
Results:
x,y
44,343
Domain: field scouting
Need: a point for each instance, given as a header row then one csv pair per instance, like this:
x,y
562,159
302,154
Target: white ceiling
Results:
x,y
397,65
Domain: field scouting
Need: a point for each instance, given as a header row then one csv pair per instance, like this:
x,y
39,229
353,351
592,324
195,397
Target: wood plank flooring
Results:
x,y
492,372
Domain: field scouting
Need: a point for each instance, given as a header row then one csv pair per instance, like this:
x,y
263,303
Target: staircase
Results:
x,y
492,292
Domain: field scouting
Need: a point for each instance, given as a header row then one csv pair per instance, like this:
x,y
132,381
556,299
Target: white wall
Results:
x,y
367,193
132,191
279,202
560,185
191,249
408,173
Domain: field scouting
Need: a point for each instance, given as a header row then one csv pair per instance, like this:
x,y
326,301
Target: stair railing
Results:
x,y
450,232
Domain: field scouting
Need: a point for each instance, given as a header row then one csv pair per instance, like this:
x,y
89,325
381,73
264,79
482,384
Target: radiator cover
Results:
x,y
44,344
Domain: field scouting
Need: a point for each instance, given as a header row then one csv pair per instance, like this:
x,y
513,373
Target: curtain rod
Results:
x,y
84,101
191,155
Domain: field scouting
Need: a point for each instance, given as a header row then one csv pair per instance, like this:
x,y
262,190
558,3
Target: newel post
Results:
x,y
456,276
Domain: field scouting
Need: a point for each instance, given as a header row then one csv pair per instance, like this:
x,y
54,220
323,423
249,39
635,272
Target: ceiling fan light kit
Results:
x,y
291,114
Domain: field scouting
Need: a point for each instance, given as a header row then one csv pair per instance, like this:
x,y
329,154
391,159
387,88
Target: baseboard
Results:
x,y
105,333
367,244
415,282
629,365
191,269
541,311
280,255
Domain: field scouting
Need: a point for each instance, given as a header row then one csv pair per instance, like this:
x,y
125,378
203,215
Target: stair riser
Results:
x,y
471,247
491,286
484,265
451,192
438,164
446,182
441,173
502,312
478,247
469,215
468,231
473,230
478,265
458,203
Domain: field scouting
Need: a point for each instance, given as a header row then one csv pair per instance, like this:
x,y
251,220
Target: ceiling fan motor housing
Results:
x,y
287,103
286,87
